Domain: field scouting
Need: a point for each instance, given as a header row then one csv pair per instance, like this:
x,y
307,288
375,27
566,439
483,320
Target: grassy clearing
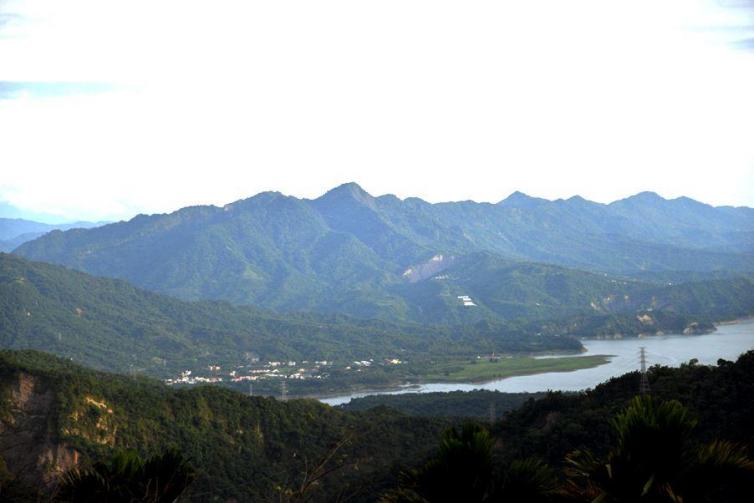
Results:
x,y
485,370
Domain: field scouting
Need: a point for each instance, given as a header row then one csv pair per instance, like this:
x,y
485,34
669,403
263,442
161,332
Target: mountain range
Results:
x,y
409,260
17,231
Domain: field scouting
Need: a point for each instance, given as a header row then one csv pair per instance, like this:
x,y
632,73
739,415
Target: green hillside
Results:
x,y
55,415
109,324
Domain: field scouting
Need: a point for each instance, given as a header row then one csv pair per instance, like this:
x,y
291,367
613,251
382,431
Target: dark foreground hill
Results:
x,y
721,400
55,415
689,439
349,252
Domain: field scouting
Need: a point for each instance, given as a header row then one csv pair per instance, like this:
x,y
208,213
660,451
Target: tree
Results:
x,y
529,480
463,470
127,478
654,460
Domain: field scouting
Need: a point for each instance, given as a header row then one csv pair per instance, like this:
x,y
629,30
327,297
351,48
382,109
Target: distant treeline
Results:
x,y
458,404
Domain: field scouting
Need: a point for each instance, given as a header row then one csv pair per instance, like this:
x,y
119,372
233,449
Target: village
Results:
x,y
273,370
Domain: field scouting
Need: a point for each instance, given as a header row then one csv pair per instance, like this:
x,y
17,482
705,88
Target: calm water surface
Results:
x,y
727,342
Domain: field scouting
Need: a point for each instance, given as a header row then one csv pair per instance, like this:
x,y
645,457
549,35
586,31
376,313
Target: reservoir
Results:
x,y
728,342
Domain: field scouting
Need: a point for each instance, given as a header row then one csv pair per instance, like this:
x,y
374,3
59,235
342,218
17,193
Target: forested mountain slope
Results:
x,y
109,324
350,252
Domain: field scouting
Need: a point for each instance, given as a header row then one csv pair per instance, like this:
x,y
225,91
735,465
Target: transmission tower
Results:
x,y
251,390
644,382
283,391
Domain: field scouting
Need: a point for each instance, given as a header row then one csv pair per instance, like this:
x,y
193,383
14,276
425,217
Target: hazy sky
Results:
x,y
169,103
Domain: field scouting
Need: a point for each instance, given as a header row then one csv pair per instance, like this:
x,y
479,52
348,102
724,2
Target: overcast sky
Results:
x,y
112,108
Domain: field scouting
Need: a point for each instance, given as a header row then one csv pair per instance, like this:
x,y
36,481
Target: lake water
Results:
x,y
728,342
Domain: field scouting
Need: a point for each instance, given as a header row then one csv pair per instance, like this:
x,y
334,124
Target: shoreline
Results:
x,y
735,321
406,387
397,389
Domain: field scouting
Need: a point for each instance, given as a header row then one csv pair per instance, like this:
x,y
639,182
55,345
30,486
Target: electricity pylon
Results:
x,y
644,382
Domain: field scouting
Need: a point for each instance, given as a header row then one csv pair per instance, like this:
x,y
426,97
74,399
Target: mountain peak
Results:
x,y
581,202
646,197
691,203
519,199
648,194
350,190
350,187
265,198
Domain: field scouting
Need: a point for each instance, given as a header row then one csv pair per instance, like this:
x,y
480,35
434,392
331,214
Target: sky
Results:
x,y
112,108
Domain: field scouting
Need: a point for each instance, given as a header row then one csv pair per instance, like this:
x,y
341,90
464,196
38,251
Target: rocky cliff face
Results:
x,y
427,269
28,439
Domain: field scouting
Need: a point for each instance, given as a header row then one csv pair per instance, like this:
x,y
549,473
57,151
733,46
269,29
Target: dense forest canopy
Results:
x,y
253,448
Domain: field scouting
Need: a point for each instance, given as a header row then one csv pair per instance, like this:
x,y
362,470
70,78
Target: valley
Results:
x,y
323,378
109,324
376,252
277,334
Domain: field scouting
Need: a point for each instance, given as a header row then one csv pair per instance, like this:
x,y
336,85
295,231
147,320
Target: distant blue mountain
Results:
x,y
10,211
348,251
13,89
18,226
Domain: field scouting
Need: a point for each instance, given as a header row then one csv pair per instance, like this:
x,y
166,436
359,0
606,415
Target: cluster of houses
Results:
x,y
368,363
271,370
466,300
187,378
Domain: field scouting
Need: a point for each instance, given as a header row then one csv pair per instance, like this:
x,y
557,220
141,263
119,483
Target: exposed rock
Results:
x,y
420,272
27,438
698,329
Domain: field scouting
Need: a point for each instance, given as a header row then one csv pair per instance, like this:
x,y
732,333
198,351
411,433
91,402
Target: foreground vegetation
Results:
x,y
651,457
248,448
257,449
